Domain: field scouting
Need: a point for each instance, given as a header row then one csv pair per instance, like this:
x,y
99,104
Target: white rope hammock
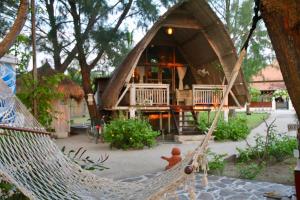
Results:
x,y
33,162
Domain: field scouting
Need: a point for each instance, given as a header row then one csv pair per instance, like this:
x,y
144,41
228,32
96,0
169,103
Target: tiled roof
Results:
x,y
269,78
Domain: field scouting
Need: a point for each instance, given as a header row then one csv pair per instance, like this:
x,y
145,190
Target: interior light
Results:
x,y
169,31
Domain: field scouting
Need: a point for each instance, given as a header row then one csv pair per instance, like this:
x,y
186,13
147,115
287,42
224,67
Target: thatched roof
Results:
x,y
200,36
71,90
68,88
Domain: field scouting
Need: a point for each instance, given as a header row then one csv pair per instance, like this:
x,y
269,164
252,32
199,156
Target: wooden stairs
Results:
x,y
186,124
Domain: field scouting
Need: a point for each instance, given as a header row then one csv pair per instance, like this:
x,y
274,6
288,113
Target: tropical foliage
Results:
x,y
85,162
237,16
255,95
281,93
44,93
130,133
235,129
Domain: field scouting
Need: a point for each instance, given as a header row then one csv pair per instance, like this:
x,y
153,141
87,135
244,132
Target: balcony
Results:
x,y
157,96
144,94
208,95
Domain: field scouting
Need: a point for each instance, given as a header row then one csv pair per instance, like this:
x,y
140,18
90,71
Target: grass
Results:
x,y
253,120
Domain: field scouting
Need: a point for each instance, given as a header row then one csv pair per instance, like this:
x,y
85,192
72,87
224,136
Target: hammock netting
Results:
x,y
35,165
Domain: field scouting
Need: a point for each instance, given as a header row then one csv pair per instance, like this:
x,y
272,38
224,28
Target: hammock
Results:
x,y
35,165
31,161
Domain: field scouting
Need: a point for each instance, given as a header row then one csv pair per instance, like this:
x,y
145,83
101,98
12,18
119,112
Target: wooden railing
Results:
x,y
149,94
208,94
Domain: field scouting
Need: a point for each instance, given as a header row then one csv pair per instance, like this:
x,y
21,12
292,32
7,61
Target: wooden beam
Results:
x,y
235,99
268,81
121,97
179,25
181,21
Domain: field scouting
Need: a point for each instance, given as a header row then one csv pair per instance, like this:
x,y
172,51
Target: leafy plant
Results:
x,y
281,93
8,191
78,156
203,125
255,95
250,170
44,93
235,129
272,147
130,133
217,162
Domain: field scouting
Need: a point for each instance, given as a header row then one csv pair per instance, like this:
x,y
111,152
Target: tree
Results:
x,y
16,28
237,16
282,20
90,32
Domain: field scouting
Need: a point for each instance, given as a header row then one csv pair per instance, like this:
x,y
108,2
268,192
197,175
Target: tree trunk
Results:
x,y
10,38
282,20
34,67
87,88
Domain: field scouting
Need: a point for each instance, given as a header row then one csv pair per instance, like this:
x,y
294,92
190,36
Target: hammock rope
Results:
x,y
200,157
31,161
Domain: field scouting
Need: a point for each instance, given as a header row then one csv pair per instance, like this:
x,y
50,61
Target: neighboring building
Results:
x,y
181,66
65,107
268,81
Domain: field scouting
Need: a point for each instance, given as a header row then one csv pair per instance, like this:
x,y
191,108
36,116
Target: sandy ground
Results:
x,y
123,164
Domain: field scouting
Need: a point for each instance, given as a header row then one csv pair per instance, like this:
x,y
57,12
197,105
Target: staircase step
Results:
x,y
190,132
186,120
188,139
187,126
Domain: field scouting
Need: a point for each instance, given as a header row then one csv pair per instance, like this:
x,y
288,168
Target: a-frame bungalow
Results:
x,y
182,65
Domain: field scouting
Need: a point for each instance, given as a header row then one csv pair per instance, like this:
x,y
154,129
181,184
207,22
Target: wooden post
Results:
x,y
180,121
132,108
160,121
34,67
132,112
161,126
132,95
226,112
169,122
273,104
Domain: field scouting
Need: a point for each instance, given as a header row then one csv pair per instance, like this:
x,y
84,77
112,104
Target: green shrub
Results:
x,y
235,129
273,147
45,93
217,162
131,133
203,125
249,171
255,95
9,191
282,148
